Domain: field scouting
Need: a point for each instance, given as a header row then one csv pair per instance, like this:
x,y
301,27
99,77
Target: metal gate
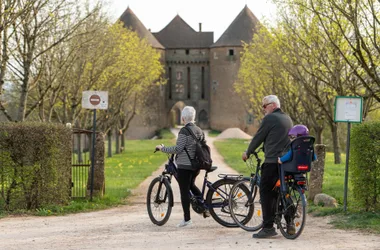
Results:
x,y
81,162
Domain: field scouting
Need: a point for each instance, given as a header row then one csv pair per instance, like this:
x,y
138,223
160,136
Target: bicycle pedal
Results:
x,y
206,214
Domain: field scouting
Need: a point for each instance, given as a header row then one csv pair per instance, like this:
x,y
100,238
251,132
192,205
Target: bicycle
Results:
x,y
290,204
246,209
160,198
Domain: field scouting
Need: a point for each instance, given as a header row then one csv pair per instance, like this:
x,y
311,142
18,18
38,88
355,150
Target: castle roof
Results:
x,y
131,21
178,34
241,29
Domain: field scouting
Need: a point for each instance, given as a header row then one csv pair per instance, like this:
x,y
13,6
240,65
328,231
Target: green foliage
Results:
x,y
165,134
365,165
123,173
35,165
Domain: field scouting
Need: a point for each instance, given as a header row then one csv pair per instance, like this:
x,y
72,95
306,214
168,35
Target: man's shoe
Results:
x,y
185,223
265,233
291,228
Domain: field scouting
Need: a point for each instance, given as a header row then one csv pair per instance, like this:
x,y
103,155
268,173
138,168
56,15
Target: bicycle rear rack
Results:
x,y
231,176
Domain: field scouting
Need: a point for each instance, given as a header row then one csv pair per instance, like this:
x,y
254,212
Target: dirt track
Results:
x,y
129,227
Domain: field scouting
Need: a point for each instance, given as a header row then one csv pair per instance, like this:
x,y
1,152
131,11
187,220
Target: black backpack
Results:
x,y
202,159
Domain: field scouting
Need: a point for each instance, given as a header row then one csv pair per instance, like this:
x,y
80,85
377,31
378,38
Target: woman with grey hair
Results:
x,y
184,150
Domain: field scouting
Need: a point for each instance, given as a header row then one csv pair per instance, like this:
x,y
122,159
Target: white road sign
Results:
x,y
348,109
95,99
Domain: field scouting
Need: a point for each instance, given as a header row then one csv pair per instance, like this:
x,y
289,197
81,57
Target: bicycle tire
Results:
x,y
217,200
298,215
159,210
246,209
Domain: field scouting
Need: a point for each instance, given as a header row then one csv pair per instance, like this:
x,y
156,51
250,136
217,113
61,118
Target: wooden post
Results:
x,y
99,177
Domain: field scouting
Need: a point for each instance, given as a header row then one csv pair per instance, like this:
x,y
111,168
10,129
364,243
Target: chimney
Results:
x,y
200,27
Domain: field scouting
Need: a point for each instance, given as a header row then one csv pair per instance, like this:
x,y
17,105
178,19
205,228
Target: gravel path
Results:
x,y
129,227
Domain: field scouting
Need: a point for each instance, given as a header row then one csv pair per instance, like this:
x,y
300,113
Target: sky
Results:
x,y
215,15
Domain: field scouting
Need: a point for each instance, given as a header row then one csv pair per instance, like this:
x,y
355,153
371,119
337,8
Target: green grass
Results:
x,y
333,185
127,170
165,134
231,150
213,133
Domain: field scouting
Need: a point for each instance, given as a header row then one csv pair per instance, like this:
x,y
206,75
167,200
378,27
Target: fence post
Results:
x,y
317,171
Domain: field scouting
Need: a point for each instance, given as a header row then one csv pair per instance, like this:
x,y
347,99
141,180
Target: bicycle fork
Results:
x,y
157,199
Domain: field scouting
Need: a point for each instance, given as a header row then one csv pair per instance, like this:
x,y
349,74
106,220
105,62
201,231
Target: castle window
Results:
x,y
187,52
170,83
188,83
179,75
203,83
230,52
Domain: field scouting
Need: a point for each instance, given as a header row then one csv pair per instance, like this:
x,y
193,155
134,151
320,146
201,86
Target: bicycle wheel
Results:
x,y
159,201
246,207
292,214
217,200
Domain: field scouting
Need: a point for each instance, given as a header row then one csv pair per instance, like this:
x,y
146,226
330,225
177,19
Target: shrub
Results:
x,y
35,165
365,165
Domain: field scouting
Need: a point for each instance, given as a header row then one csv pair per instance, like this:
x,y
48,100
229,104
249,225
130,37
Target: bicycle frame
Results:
x,y
171,170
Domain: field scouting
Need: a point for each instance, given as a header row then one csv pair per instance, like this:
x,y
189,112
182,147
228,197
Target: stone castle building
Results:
x,y
199,72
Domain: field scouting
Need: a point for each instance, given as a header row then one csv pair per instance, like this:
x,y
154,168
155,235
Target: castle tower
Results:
x,y
226,107
150,119
187,69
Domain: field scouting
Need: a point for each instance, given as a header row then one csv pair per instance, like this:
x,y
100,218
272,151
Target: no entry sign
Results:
x,y
95,99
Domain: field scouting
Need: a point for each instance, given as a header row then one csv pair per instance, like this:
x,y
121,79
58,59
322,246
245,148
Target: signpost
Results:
x,y
94,100
348,109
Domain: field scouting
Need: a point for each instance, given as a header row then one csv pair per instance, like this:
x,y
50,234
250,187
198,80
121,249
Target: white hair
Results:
x,y
272,98
188,114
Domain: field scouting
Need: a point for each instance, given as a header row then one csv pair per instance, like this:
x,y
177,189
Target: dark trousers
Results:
x,y
186,182
268,196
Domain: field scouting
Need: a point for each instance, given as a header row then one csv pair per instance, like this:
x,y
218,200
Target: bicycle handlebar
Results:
x,y
156,149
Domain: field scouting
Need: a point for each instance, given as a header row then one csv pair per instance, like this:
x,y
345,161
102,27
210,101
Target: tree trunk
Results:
x,y
109,135
122,148
117,141
335,137
22,107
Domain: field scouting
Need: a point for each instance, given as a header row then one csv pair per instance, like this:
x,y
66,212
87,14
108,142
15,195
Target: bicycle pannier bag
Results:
x,y
202,159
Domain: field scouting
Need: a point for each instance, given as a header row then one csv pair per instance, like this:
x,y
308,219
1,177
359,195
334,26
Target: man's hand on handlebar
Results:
x,y
244,156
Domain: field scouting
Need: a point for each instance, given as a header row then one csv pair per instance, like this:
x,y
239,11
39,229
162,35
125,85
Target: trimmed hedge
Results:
x,y
35,165
365,165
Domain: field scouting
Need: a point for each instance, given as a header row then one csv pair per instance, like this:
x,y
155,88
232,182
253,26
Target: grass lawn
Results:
x,y
213,133
127,170
333,185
